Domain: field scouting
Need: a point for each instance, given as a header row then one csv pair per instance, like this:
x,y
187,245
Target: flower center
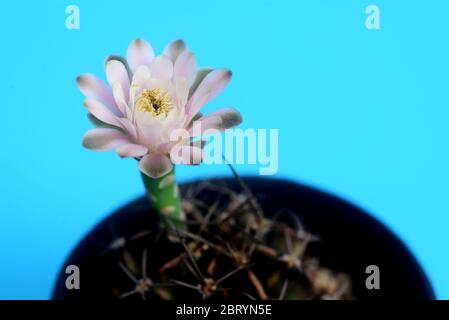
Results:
x,y
155,101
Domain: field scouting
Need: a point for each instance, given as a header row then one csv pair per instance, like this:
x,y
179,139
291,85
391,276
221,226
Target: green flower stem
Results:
x,y
163,194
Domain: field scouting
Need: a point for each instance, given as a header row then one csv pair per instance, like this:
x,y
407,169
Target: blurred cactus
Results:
x,y
231,249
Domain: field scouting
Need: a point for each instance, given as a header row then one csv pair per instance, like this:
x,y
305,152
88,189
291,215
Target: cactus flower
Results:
x,y
147,98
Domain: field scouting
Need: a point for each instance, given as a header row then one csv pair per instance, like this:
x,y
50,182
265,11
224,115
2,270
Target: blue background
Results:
x,y
363,114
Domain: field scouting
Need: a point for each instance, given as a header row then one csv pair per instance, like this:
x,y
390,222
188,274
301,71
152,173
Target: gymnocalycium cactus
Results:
x,y
148,98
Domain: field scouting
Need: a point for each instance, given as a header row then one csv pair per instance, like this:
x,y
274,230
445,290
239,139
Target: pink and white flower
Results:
x,y
147,98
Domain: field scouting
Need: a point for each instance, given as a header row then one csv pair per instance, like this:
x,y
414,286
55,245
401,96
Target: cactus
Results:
x,y
227,248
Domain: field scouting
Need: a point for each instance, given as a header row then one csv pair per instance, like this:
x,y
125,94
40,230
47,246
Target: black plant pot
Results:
x,y
351,240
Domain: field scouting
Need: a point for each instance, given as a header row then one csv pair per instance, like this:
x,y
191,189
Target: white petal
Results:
x,y
161,68
165,147
97,123
200,75
190,155
222,119
116,73
174,49
131,150
101,112
208,89
185,67
93,87
183,76
129,128
104,139
119,97
141,76
149,134
229,118
155,165
139,53
199,126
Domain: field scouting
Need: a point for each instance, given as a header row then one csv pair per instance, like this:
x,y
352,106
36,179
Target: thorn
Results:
x,y
283,290
144,263
127,272
257,285
184,284
217,283
127,294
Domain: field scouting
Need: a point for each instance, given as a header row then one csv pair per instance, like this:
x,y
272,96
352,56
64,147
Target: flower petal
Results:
x,y
161,68
199,126
123,61
116,73
200,75
101,112
174,49
184,72
141,76
155,165
93,87
128,127
190,155
208,89
97,123
119,97
149,134
222,119
185,66
131,150
139,53
229,118
104,139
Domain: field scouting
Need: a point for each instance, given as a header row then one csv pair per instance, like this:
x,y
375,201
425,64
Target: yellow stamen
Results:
x,y
155,101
